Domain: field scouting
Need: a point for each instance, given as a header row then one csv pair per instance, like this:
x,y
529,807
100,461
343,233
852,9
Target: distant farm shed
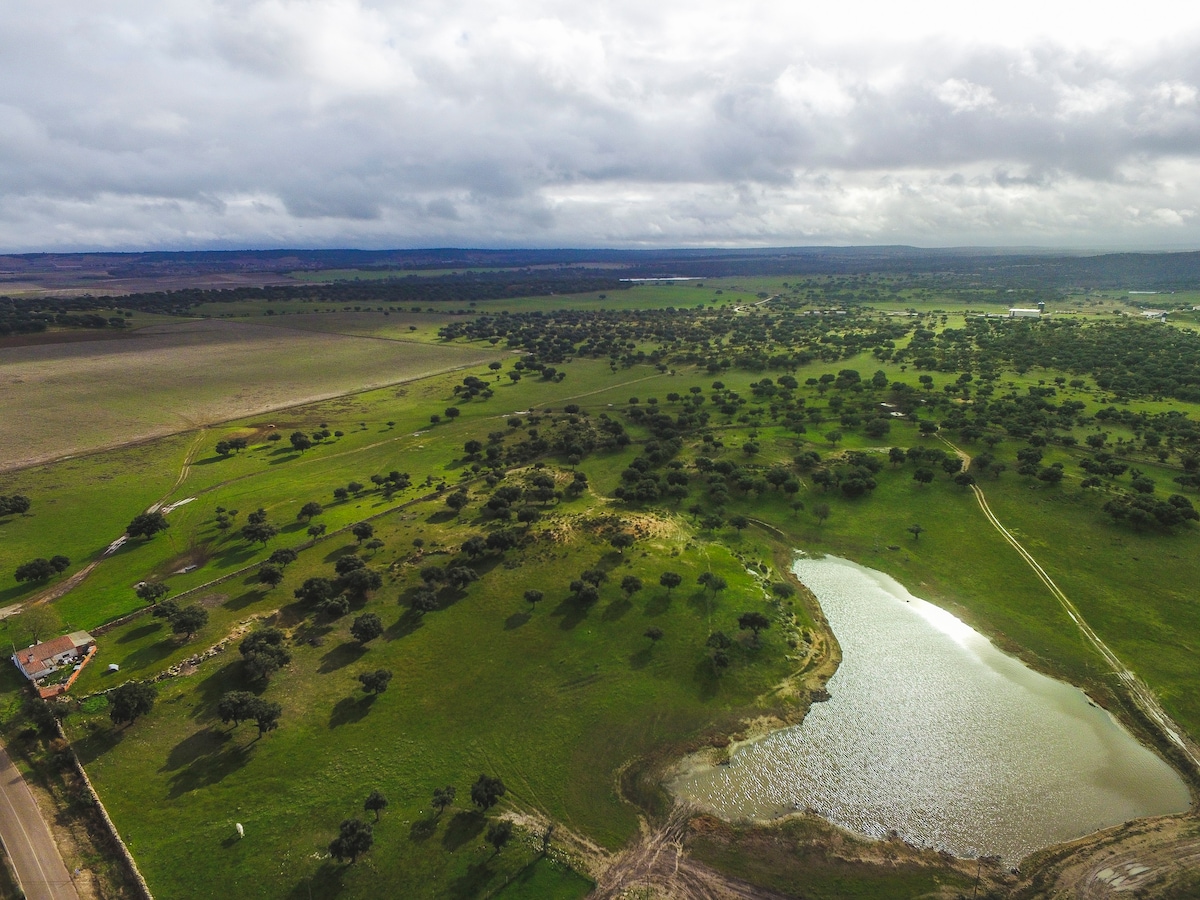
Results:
x,y
42,659
1016,313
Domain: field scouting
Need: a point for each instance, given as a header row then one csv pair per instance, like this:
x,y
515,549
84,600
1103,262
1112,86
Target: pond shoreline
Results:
x,y
1113,790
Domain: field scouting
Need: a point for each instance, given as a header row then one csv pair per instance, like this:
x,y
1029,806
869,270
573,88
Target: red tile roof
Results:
x,y
46,650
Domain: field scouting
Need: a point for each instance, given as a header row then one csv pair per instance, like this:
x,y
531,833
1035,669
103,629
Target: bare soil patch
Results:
x,y
806,853
659,862
63,337
1144,858
96,282
71,398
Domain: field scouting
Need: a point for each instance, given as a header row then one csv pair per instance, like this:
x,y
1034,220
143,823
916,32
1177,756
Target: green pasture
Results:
x,y
398,325
681,295
555,699
991,592
363,317
82,505
1134,588
328,275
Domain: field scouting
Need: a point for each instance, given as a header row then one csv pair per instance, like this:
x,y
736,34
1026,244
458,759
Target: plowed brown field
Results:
x,y
63,399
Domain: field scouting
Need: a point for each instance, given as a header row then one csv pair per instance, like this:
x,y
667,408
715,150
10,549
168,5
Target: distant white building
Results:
x,y
1015,313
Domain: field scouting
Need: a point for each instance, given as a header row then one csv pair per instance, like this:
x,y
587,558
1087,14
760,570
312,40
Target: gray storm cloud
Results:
x,y
338,123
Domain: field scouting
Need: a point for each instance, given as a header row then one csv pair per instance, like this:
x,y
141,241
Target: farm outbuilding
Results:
x,y
42,659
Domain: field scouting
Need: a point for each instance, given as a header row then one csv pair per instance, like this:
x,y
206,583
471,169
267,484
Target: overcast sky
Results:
x,y
344,123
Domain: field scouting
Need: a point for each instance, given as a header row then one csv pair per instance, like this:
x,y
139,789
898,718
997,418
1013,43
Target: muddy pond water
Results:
x,y
934,733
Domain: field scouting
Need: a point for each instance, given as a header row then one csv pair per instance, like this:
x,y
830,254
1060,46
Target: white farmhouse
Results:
x,y
41,659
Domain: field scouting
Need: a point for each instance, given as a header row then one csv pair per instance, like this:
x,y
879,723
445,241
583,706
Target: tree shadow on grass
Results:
x,y
484,564
474,882
243,600
422,830
516,620
94,745
337,553
517,885
465,826
349,710
641,658
616,609
312,633
190,749
325,882
701,602
209,691
341,656
292,614
149,655
235,557
441,517
137,634
572,611
14,594
707,682
410,620
211,769
658,605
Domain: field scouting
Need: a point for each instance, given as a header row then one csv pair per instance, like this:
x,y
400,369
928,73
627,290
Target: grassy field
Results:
x,y
383,318
554,699
84,504
326,275
65,399
396,326
587,688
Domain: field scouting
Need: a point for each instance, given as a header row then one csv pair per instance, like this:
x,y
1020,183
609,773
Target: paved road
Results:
x,y
30,847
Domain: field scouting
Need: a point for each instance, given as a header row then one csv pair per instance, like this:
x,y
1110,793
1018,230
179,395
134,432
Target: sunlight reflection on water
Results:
x,y
933,732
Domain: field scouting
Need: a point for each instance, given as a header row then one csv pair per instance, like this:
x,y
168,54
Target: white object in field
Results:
x,y
113,667
240,830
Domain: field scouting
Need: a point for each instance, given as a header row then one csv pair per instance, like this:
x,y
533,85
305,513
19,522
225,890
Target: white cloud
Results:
x,y
351,122
963,96
1091,99
814,91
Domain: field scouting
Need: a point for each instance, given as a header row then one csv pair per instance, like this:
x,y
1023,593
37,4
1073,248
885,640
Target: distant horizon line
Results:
x,y
998,249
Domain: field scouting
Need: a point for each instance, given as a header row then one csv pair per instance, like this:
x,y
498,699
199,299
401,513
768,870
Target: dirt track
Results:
x,y
1138,859
1137,689
658,860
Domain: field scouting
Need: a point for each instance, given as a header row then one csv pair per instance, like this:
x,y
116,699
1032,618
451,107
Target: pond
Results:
x,y
935,734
